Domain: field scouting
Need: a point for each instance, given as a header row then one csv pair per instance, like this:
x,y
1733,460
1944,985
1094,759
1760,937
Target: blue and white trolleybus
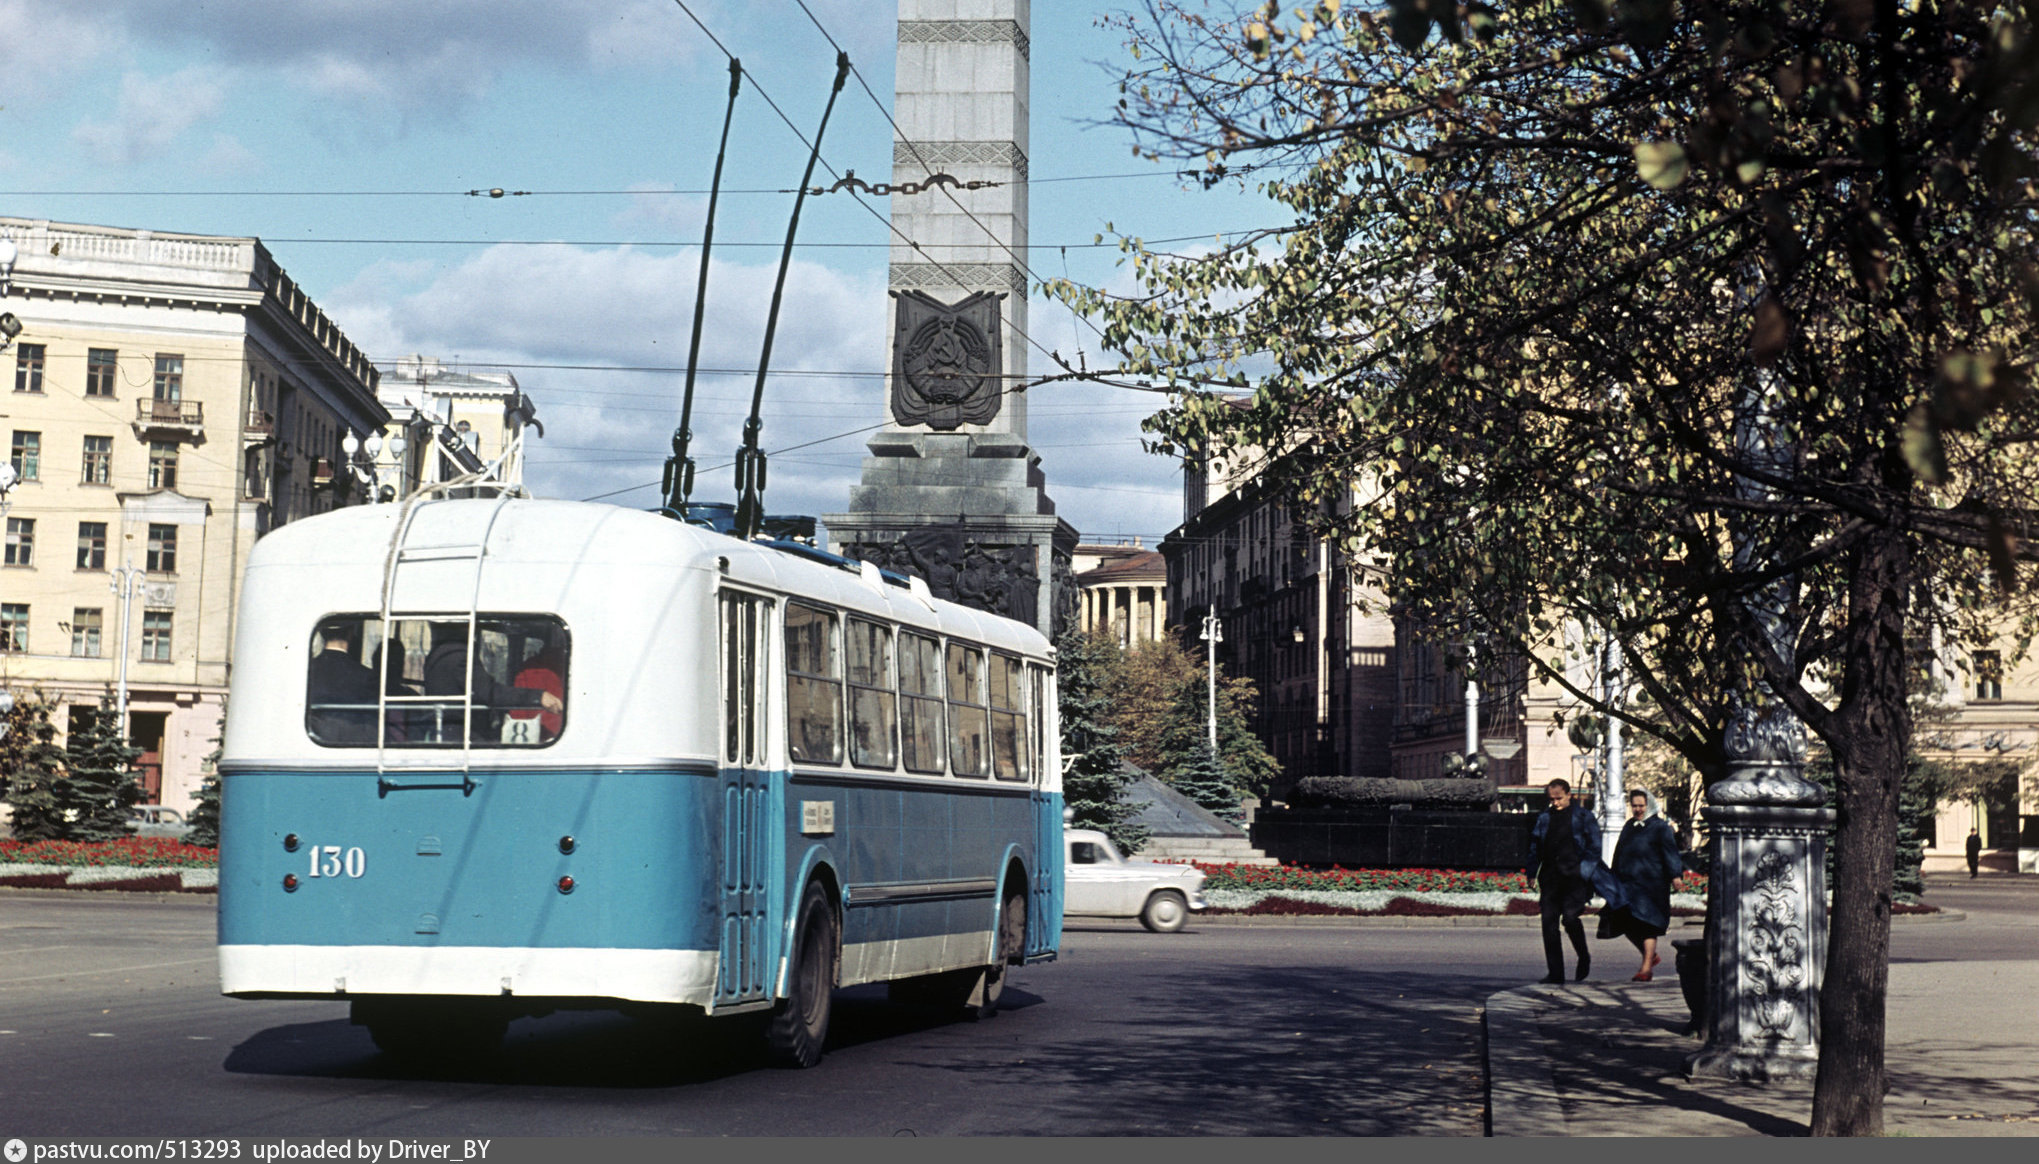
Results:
x,y
492,757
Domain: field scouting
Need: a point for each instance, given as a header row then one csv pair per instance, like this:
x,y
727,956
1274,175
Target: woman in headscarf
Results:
x,y
1645,863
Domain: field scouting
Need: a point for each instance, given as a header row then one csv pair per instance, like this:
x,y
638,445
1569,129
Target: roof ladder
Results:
x,y
400,554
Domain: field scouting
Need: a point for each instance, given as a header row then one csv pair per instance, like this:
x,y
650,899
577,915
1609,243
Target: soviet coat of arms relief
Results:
x,y
947,361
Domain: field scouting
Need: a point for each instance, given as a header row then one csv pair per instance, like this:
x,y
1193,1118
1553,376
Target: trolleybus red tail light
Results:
x,y
566,885
290,843
290,883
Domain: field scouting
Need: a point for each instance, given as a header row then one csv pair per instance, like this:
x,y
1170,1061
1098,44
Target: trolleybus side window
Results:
x,y
1008,719
814,686
968,727
744,618
874,708
920,691
509,687
1037,687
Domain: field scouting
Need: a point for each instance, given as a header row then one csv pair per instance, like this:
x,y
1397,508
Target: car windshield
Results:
x,y
1092,853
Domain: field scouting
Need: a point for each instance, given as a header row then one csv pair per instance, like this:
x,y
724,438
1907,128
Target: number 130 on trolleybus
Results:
x,y
495,757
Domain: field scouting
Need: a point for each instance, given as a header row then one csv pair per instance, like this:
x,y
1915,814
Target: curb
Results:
x,y
1522,1092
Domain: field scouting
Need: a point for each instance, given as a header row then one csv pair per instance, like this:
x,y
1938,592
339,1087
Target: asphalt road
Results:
x,y
111,1025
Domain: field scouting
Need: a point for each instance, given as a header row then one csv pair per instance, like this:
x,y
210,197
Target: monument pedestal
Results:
x,y
968,513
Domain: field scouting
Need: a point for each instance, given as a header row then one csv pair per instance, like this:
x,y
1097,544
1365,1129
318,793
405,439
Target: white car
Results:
x,y
1098,882
153,820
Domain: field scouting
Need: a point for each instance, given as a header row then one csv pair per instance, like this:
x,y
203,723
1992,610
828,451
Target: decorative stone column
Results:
x,y
1766,921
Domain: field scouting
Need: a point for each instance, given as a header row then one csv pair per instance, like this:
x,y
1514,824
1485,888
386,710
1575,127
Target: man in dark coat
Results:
x,y
341,696
1564,865
1974,852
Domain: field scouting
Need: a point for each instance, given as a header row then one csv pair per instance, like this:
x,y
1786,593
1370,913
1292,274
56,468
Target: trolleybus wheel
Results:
x,y
431,1031
799,1023
1012,945
1166,912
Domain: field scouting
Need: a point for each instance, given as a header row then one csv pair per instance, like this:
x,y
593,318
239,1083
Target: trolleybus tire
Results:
x,y
1166,912
983,988
432,1031
799,1024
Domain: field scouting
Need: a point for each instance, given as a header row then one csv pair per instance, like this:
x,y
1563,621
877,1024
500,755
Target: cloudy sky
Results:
x,y
345,135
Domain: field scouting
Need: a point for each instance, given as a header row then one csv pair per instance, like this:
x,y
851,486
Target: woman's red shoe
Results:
x,y
1642,976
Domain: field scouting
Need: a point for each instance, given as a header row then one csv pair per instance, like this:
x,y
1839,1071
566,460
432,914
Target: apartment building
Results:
x,y
169,399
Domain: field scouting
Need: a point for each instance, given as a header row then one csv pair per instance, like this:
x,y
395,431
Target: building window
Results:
x,y
1989,675
98,460
169,376
162,549
162,464
28,367
92,545
86,623
101,367
14,626
21,541
26,455
155,636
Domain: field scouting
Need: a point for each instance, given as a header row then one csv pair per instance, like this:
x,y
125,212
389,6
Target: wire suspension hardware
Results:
x,y
850,181
750,458
679,474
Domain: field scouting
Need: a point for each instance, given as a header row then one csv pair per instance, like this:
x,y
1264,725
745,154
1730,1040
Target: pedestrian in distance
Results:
x,y
1646,862
1974,852
1565,867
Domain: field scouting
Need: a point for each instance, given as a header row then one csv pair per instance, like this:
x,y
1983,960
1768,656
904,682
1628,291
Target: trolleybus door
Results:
x,y
744,878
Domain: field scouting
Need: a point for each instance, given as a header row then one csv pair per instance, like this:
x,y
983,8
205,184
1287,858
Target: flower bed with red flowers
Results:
x,y
129,852
1275,878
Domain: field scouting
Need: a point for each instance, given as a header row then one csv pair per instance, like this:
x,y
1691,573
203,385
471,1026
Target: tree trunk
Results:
x,y
1869,734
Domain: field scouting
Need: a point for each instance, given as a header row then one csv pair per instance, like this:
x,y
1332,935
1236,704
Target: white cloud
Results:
x,y
656,207
608,430
621,307
43,45
152,113
229,156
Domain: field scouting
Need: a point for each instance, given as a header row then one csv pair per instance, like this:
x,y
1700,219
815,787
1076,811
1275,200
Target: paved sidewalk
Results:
x,y
1607,1059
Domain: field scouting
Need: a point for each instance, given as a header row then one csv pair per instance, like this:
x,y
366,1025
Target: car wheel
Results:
x,y
1167,911
799,1023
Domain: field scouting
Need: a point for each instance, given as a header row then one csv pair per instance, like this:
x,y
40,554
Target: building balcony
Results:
x,y
176,419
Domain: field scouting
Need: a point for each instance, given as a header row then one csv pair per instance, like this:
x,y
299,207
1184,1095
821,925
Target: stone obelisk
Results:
x,y
952,492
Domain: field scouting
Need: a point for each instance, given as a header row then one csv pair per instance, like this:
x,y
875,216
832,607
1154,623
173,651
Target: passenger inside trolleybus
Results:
x,y
443,671
340,695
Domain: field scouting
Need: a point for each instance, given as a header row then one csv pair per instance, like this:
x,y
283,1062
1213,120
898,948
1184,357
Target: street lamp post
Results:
x,y
1766,921
1614,797
1214,633
126,580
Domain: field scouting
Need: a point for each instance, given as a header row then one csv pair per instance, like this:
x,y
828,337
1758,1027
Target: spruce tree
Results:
x,y
1202,778
205,814
34,767
1095,778
102,783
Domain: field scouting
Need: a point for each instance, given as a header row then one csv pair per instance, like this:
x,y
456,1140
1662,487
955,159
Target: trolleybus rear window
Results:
x,y
416,686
